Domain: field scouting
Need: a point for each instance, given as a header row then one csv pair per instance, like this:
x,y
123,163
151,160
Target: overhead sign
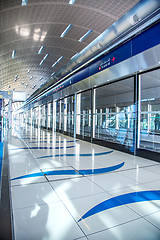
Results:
x,y
5,94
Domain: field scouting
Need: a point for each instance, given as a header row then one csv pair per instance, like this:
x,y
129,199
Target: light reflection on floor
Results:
x,y
49,207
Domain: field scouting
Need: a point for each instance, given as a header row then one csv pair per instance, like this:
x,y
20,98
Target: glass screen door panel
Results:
x,y
150,111
115,112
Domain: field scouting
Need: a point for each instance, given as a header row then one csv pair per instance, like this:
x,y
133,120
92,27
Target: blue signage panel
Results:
x,y
5,94
146,40
118,55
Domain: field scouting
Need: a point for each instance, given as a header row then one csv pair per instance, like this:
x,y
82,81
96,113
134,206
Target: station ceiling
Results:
x,y
34,44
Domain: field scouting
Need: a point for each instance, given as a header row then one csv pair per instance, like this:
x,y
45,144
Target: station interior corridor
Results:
x,y
65,188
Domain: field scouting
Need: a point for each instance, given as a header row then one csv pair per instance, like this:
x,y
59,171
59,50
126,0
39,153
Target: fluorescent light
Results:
x,y
40,78
71,1
24,2
31,77
40,50
85,35
74,56
66,30
59,59
28,70
52,73
41,62
43,59
14,54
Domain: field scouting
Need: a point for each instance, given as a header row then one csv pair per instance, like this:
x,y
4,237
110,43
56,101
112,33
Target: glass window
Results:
x,y
58,115
114,112
85,113
150,111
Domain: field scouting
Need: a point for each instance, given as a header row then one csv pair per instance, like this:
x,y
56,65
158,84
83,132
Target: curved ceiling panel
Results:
x,y
25,29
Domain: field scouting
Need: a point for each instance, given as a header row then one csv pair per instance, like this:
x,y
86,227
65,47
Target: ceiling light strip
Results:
x,y
85,35
71,1
66,30
24,2
43,59
40,50
14,54
59,59
74,55
52,74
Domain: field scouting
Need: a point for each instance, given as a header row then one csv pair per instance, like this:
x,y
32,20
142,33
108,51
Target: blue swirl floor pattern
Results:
x,y
73,155
53,141
120,200
72,172
25,148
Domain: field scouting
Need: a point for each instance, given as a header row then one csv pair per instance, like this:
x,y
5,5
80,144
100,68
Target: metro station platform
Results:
x,y
64,188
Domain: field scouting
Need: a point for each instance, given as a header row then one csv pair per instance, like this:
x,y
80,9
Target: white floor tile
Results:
x,y
48,221
75,188
154,218
112,181
33,194
138,229
49,207
102,220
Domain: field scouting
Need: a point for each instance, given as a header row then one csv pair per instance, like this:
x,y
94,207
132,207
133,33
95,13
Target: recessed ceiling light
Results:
x,y
85,35
28,70
66,30
31,77
59,59
40,50
14,54
43,35
71,1
40,78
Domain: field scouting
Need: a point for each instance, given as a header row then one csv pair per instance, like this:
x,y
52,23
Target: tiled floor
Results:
x,y
66,189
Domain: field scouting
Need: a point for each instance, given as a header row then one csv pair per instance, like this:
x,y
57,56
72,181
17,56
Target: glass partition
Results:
x,y
44,114
85,113
50,115
63,106
150,111
114,112
58,112
70,115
